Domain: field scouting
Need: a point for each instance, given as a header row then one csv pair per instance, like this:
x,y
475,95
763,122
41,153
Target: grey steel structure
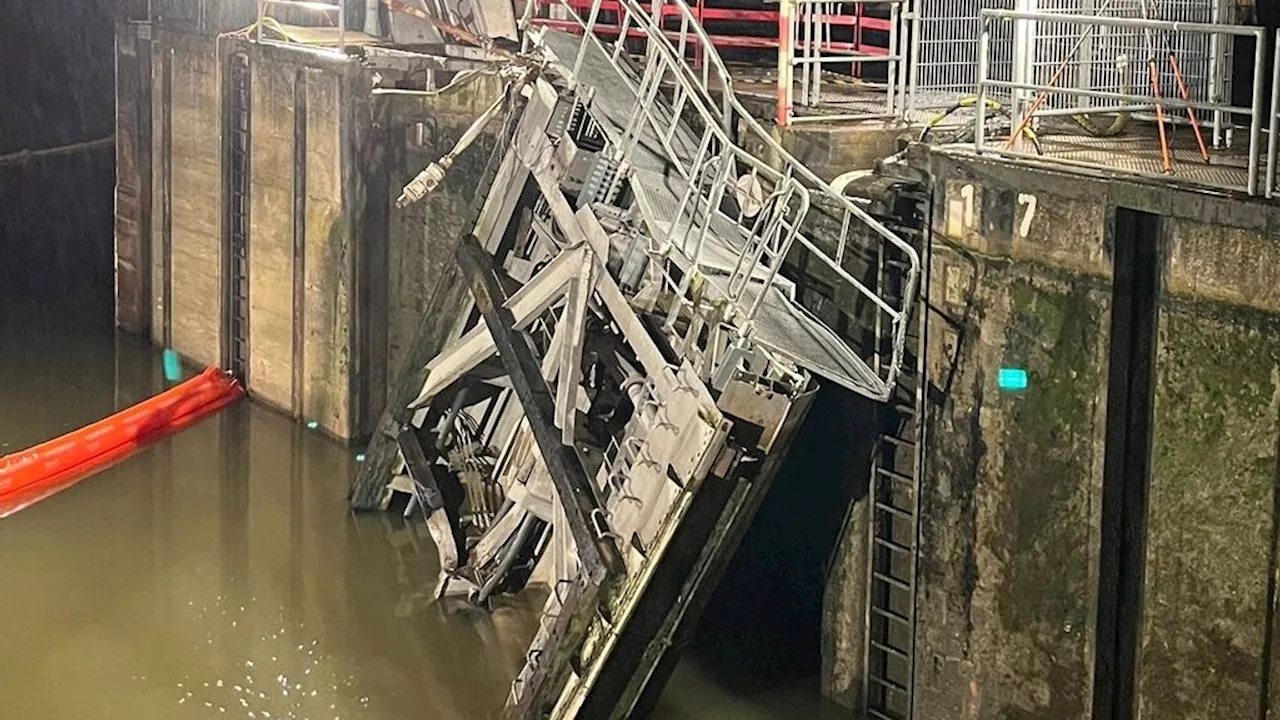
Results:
x,y
638,363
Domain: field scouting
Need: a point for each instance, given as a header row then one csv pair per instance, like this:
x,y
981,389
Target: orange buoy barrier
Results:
x,y
31,475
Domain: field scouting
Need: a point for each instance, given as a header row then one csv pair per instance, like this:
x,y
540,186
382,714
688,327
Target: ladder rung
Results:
x,y
905,409
886,682
877,715
891,580
894,510
896,547
900,442
891,615
897,477
891,650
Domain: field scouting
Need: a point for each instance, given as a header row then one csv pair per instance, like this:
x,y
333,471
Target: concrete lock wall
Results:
x,y
338,280
300,247
422,276
187,182
300,271
1021,276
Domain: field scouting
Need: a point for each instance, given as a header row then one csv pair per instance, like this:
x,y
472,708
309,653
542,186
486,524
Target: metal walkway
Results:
x,y
636,364
665,198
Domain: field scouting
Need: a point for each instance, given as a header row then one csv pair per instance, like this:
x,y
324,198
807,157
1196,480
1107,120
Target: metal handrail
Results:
x,y
800,32
694,92
986,84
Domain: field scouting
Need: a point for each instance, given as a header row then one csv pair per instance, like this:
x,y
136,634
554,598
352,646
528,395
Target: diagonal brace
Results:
x,y
596,551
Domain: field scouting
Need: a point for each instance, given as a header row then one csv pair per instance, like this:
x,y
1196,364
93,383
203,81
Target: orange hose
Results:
x,y
1164,142
30,475
1191,112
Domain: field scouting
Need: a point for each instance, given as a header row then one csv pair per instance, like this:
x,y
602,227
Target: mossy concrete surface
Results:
x,y
422,275
1211,511
1010,496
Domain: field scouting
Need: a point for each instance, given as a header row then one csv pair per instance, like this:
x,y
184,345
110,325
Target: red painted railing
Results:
x,y
710,16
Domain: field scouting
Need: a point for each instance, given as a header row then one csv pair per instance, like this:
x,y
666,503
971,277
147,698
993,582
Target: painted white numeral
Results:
x,y
966,192
1024,227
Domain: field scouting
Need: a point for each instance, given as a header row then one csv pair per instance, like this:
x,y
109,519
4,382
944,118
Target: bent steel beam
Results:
x,y
596,551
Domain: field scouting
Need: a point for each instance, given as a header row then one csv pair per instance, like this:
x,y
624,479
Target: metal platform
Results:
x,y
781,324
1136,153
1139,153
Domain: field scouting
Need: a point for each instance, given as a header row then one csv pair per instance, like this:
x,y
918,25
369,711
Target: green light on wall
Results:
x,y
1012,379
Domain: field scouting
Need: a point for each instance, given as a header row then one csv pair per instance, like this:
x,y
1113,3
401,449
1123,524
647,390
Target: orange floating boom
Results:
x,y
31,475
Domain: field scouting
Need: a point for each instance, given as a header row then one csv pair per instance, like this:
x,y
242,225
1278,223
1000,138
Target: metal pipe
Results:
x,y
984,55
913,66
900,92
1272,125
1097,110
1215,76
510,552
1255,121
587,30
1167,25
1199,105
892,67
22,157
840,57
785,53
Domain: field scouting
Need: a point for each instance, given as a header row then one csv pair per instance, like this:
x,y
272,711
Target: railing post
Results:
x,y
1217,61
1255,123
984,51
894,51
913,58
785,51
1271,124
587,32
342,25
1023,71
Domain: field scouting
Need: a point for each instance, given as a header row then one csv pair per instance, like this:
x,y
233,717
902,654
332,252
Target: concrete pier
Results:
x,y
334,277
1015,534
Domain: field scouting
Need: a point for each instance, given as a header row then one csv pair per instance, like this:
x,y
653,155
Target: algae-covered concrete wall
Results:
x,y
187,182
326,291
1211,543
1010,502
1008,578
1212,511
301,271
271,254
422,274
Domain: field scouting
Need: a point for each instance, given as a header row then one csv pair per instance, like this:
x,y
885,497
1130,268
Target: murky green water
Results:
x,y
219,574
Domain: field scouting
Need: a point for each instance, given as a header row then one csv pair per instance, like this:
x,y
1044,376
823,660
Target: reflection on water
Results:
x,y
219,574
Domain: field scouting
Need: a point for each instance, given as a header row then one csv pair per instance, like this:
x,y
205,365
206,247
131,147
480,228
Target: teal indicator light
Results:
x,y
172,366
1012,379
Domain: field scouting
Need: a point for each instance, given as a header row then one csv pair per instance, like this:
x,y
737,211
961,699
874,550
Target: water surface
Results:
x,y
219,573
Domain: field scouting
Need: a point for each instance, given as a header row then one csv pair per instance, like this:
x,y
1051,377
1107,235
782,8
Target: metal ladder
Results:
x,y
237,282
889,668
